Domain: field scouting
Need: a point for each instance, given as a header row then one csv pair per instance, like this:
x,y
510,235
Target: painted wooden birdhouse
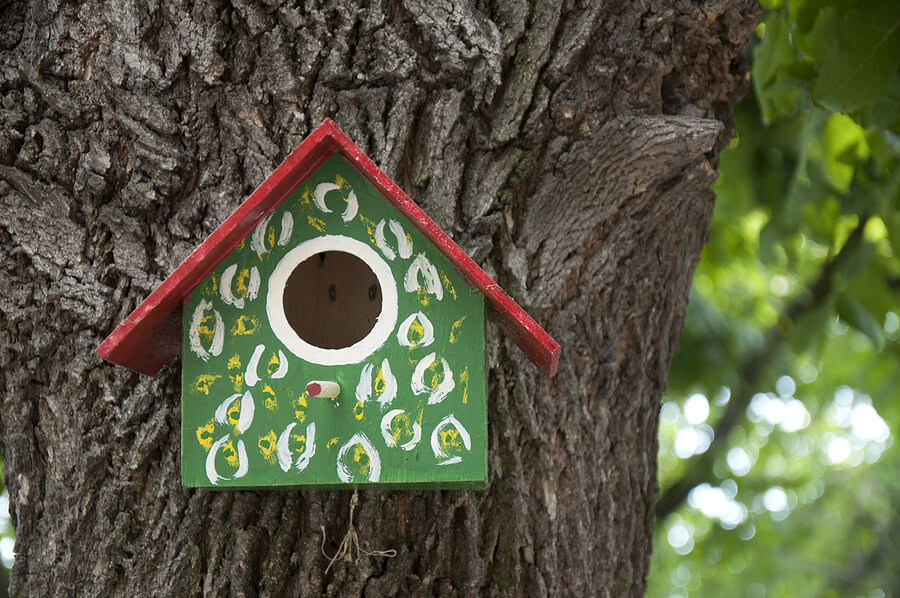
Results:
x,y
331,334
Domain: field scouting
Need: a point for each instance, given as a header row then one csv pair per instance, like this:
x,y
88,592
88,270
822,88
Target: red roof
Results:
x,y
151,335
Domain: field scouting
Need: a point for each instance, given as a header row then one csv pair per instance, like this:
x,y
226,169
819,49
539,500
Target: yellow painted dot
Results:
x,y
204,381
240,283
299,442
274,364
464,380
379,383
244,325
229,453
332,442
416,332
234,412
362,457
269,399
358,410
204,435
268,447
207,327
448,285
316,223
436,371
450,440
456,329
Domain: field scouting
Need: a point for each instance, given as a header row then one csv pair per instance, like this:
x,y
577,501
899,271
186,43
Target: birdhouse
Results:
x,y
331,335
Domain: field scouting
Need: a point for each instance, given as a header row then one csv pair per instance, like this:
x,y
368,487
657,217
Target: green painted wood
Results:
x,y
225,325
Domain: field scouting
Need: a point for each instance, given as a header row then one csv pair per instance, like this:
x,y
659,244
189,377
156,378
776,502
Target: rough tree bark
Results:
x,y
568,146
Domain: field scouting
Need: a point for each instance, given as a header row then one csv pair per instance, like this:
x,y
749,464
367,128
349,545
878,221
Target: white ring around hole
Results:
x,y
356,352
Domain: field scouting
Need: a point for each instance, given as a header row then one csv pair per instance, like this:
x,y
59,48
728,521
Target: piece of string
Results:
x,y
351,543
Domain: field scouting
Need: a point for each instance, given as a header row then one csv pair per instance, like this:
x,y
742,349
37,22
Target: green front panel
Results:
x,y
244,399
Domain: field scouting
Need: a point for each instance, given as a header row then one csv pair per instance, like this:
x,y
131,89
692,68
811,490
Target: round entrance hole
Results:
x,y
332,299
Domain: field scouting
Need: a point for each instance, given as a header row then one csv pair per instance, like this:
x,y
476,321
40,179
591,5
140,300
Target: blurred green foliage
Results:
x,y
779,470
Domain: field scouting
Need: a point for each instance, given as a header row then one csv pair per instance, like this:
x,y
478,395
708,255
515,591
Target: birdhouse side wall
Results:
x,y
411,409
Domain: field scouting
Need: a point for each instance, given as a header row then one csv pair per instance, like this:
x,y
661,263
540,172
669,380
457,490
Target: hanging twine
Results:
x,y
351,543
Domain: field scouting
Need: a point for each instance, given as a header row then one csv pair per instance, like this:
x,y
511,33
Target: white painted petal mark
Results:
x,y
389,438
386,426
381,243
218,336
352,208
248,408
258,238
321,190
218,340
310,449
287,228
251,376
253,285
442,457
404,245
211,472
418,380
243,462
364,388
282,370
222,410
390,384
344,473
427,331
430,276
283,448
225,288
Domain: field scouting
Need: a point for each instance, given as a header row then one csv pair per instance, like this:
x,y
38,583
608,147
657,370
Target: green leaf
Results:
x,y
863,52
853,313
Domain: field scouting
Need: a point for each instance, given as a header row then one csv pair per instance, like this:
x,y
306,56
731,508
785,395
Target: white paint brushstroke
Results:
x,y
352,208
381,242
282,370
258,238
222,410
248,408
344,473
309,450
390,384
389,438
321,190
253,285
418,386
225,292
283,447
251,376
218,340
427,331
364,388
404,246
386,426
243,462
439,454
430,276
211,472
287,228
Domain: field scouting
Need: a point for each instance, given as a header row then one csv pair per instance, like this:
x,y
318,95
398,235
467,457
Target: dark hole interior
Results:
x,y
332,300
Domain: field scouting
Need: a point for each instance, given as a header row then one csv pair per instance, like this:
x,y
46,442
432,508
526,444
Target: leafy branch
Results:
x,y
700,467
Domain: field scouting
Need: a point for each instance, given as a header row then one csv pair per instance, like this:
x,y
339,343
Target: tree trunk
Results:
x,y
569,147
